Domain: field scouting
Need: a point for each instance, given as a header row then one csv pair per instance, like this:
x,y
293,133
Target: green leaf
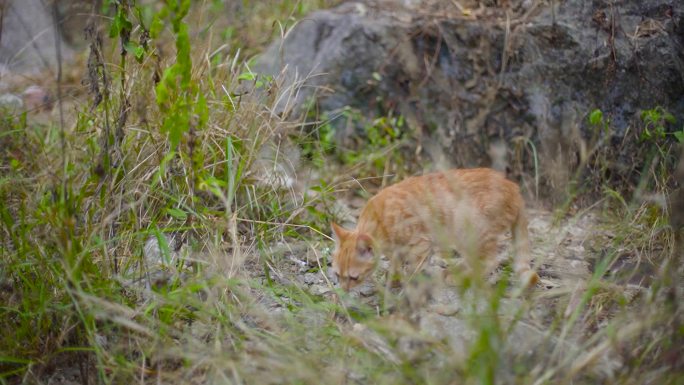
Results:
x,y
201,110
213,185
176,125
162,88
183,60
180,9
177,213
139,53
131,47
595,117
120,23
643,115
163,245
670,118
14,360
157,25
176,93
247,76
213,181
679,135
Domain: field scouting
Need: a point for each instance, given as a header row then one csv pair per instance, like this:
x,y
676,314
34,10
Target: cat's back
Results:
x,y
488,190
462,183
482,182
484,189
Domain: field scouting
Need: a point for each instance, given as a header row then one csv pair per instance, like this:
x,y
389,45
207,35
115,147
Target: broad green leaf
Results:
x,y
139,53
156,26
679,135
596,117
131,47
201,110
670,118
177,213
247,76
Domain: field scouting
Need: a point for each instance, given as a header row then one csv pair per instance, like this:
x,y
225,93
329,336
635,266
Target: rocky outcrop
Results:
x,y
469,79
27,40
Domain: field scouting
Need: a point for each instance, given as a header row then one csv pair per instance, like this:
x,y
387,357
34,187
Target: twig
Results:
x,y
58,50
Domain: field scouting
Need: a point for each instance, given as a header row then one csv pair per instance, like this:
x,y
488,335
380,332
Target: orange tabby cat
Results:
x,y
464,210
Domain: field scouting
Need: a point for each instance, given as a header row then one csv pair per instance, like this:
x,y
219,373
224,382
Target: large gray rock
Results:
x,y
27,42
470,81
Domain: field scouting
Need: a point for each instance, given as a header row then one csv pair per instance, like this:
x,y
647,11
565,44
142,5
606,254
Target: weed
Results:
x,y
654,121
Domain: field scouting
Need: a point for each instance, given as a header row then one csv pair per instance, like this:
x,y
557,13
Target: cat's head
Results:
x,y
353,259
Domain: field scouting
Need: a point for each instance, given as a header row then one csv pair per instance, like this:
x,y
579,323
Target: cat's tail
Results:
x,y
521,247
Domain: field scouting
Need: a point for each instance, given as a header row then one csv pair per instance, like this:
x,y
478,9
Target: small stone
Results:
x,y
37,98
548,283
446,310
11,102
101,340
355,376
367,290
310,278
320,289
152,251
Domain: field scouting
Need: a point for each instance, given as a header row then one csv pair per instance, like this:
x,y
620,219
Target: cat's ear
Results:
x,y
364,246
339,232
